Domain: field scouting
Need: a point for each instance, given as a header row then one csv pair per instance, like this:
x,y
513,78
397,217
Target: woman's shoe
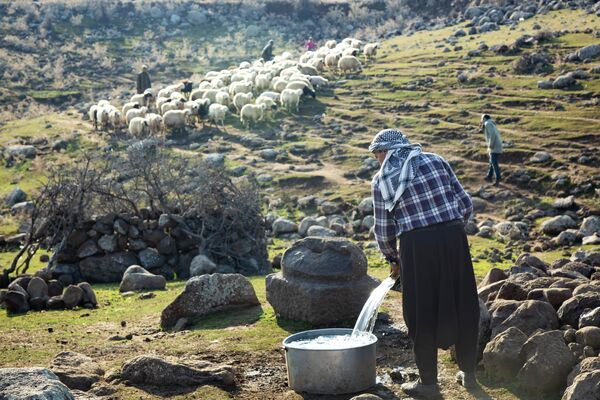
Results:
x,y
420,390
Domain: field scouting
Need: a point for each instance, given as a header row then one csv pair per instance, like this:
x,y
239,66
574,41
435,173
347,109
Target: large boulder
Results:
x,y
590,318
108,268
89,296
283,225
588,52
585,386
76,370
530,316
155,371
37,288
589,226
548,361
207,294
17,195
557,224
137,278
72,296
501,357
201,265
16,301
572,309
150,258
32,384
322,281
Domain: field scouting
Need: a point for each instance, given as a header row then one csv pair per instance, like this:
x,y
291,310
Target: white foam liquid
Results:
x,y
366,320
332,342
361,335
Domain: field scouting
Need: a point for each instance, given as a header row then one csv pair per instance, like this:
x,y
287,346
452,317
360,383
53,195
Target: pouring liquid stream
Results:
x,y
363,328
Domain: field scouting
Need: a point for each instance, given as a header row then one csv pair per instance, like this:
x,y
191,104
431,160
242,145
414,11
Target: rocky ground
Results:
x,y
534,79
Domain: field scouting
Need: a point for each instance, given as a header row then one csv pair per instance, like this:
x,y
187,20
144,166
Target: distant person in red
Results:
x,y
310,44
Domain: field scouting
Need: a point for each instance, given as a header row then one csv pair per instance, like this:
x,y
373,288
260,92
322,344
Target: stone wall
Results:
x,y
100,250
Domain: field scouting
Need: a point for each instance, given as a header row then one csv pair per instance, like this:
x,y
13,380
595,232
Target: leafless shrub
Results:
x,y
147,180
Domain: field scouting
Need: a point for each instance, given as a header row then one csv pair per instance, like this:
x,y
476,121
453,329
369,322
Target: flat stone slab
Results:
x,y
32,384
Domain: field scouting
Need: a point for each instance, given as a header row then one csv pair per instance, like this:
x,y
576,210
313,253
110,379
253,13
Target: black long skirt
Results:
x,y
440,301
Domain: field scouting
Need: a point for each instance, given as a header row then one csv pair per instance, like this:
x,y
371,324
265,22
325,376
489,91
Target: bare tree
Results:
x,y
146,180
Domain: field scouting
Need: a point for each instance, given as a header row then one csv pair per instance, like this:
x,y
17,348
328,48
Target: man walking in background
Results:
x,y
143,80
494,147
267,51
418,200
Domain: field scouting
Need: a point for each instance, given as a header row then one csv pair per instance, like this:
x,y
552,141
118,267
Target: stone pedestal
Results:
x,y
322,281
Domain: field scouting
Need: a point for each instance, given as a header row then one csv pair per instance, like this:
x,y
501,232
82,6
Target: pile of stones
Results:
x,y
34,293
101,249
543,324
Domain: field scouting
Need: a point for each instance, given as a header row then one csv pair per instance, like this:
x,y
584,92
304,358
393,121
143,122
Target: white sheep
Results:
x,y
317,63
103,116
172,105
175,119
240,87
129,106
306,87
349,63
332,59
222,98
262,82
211,94
271,95
251,113
279,84
217,114
166,92
142,99
138,127
318,81
155,123
306,56
241,99
269,105
135,112
370,50
290,99
116,119
93,115
160,101
198,93
330,44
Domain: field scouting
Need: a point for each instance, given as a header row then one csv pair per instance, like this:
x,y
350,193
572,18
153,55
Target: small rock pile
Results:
x,y
544,320
330,220
100,250
34,293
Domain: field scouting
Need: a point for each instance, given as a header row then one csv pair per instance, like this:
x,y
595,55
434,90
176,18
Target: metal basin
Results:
x,y
324,371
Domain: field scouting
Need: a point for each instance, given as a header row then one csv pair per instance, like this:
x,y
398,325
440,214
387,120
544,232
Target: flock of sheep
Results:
x,y
252,90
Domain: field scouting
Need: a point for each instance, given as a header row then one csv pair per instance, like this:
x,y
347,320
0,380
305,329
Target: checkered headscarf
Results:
x,y
398,168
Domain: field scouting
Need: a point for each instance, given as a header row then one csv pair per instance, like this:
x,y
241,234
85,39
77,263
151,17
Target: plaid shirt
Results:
x,y
432,197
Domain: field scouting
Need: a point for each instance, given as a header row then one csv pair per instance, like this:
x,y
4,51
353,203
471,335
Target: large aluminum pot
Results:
x,y
338,371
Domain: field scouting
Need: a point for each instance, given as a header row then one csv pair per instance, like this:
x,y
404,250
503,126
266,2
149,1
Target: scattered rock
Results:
x,y
201,265
17,195
283,225
501,357
137,278
155,371
557,224
206,294
32,383
320,231
72,296
528,317
76,370
548,361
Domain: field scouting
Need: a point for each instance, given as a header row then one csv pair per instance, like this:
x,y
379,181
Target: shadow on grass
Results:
x,y
227,319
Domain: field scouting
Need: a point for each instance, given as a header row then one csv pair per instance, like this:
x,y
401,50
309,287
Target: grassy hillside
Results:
x,y
412,85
